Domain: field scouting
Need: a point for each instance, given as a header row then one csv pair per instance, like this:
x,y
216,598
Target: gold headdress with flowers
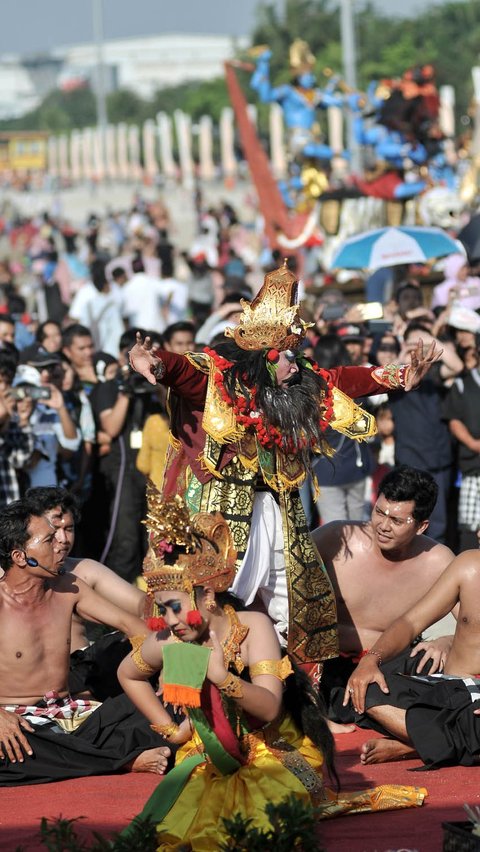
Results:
x,y
271,320
186,551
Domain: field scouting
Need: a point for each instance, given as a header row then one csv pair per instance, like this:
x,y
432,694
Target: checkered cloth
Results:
x,y
469,503
472,683
16,448
67,713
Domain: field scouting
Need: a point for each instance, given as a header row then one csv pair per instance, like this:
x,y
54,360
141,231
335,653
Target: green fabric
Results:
x,y
166,794
185,665
224,762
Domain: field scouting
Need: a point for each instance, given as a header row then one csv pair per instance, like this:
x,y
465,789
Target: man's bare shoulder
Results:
x,y
466,565
340,537
438,555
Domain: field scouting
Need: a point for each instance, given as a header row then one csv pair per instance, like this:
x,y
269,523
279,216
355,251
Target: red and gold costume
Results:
x,y
218,462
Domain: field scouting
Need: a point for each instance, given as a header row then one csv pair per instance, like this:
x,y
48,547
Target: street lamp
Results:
x,y
100,95
350,72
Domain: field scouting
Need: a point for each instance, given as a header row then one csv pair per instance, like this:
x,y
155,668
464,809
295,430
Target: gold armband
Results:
x,y
136,655
166,731
278,668
231,686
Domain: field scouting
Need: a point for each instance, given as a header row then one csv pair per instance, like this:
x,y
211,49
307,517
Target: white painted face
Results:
x,y
287,368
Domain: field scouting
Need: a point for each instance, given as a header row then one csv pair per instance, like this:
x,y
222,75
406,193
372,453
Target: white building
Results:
x,y
140,64
155,62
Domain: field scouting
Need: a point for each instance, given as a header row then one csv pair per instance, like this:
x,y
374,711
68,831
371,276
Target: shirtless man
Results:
x,y
435,717
93,666
378,570
37,601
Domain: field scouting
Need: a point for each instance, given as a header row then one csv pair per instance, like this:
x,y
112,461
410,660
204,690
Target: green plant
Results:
x,y
59,835
293,827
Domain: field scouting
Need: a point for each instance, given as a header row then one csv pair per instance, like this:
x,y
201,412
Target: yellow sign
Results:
x,y
23,151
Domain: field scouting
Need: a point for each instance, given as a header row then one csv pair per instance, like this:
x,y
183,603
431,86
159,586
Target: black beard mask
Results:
x,y
295,411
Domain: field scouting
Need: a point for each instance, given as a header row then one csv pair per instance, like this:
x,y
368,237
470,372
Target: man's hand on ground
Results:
x,y
367,672
13,742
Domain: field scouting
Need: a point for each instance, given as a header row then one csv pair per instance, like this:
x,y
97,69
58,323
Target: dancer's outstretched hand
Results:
x,y
142,358
420,363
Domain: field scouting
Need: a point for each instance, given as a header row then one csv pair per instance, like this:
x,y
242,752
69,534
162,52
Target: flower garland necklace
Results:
x,y
246,411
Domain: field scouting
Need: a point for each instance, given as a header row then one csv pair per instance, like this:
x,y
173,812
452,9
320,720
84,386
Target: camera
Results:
x,y
131,383
30,392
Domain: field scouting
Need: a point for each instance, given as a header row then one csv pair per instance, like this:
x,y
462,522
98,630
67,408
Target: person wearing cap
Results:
x,y
53,427
246,417
353,336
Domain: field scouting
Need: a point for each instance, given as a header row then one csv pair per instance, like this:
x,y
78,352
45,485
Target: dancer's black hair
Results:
x,y
292,409
303,701
249,368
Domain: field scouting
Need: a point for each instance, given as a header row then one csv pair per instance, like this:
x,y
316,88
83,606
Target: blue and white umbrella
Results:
x,y
393,246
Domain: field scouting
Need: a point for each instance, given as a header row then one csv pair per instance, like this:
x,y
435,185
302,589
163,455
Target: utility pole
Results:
x,y
100,95
349,55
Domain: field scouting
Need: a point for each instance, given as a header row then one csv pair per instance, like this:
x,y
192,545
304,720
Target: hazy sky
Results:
x,y
36,25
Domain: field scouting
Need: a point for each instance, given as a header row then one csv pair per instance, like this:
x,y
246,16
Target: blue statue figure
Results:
x,y
299,100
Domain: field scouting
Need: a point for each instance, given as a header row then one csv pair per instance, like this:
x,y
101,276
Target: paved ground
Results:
x,y
78,202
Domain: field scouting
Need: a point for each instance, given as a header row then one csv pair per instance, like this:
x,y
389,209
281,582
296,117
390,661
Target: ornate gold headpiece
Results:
x,y
302,59
271,320
185,551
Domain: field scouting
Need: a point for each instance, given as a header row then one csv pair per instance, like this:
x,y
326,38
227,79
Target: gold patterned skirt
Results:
x,y
280,761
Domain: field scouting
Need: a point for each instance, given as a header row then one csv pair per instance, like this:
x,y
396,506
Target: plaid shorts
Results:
x,y
469,503
67,713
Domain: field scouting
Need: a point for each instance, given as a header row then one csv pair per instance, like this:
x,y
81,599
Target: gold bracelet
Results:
x,y
231,686
166,731
136,656
278,668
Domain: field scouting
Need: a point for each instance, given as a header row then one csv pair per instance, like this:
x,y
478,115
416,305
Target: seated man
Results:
x,y
434,716
93,667
378,570
38,718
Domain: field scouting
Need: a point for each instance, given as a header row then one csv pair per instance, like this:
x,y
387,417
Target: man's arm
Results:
x,y
464,436
112,420
112,587
93,607
438,601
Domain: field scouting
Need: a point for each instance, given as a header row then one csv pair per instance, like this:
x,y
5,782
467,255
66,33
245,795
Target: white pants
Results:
x,y
263,567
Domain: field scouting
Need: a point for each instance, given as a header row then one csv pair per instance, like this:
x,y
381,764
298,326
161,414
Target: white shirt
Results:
x,y
101,313
152,303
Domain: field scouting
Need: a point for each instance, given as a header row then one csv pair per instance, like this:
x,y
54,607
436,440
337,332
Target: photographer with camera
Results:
x,y
121,406
16,436
56,435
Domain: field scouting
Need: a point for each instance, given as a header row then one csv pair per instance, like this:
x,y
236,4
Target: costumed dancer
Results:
x,y
245,420
246,740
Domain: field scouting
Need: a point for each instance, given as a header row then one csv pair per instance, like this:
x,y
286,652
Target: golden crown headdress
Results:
x,y
186,551
271,320
302,59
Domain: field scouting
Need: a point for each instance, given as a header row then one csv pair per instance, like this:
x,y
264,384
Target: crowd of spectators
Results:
x,y
73,414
